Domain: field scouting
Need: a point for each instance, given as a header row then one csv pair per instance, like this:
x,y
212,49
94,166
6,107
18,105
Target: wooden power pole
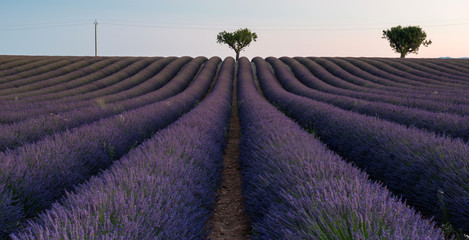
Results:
x,y
95,38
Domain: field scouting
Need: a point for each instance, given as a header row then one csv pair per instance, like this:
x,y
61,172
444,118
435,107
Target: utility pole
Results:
x,y
95,38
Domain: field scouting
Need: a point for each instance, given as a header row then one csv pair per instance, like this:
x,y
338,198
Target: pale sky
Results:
x,y
189,28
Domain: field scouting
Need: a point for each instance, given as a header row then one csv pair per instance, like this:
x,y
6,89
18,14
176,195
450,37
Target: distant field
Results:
x,y
131,147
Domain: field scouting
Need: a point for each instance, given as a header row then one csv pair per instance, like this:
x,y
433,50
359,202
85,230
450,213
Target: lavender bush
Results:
x,y
443,124
337,71
459,63
164,189
30,130
81,76
47,71
377,71
444,68
9,62
10,211
410,101
414,164
392,70
39,173
406,72
80,87
342,79
386,80
295,188
75,102
24,64
346,64
424,71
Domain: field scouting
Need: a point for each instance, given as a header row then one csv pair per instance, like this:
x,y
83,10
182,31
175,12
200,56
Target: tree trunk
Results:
x,y
237,55
403,54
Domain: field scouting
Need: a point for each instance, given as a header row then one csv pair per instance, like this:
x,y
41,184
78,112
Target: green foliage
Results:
x,y
406,40
237,40
447,227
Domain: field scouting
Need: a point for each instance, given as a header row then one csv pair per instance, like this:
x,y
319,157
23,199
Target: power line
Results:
x,y
33,27
160,26
220,27
446,25
45,23
292,29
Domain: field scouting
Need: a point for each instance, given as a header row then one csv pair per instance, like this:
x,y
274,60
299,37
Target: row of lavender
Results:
x,y
347,80
398,76
381,73
164,189
11,66
69,79
48,70
69,115
449,124
297,189
107,216
430,98
100,80
354,79
35,175
429,171
99,209
428,78
437,70
13,102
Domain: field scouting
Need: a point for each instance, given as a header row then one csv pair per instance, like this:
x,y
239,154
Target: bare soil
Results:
x,y
229,219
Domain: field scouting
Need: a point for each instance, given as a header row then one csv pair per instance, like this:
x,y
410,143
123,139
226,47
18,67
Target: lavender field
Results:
x,y
330,148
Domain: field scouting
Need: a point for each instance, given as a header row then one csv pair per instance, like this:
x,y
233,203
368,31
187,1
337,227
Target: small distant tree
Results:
x,y
406,40
237,40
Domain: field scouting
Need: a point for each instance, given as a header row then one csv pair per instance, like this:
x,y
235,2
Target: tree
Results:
x,y
406,40
237,40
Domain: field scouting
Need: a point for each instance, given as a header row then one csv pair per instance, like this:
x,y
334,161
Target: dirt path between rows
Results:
x,y
229,219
